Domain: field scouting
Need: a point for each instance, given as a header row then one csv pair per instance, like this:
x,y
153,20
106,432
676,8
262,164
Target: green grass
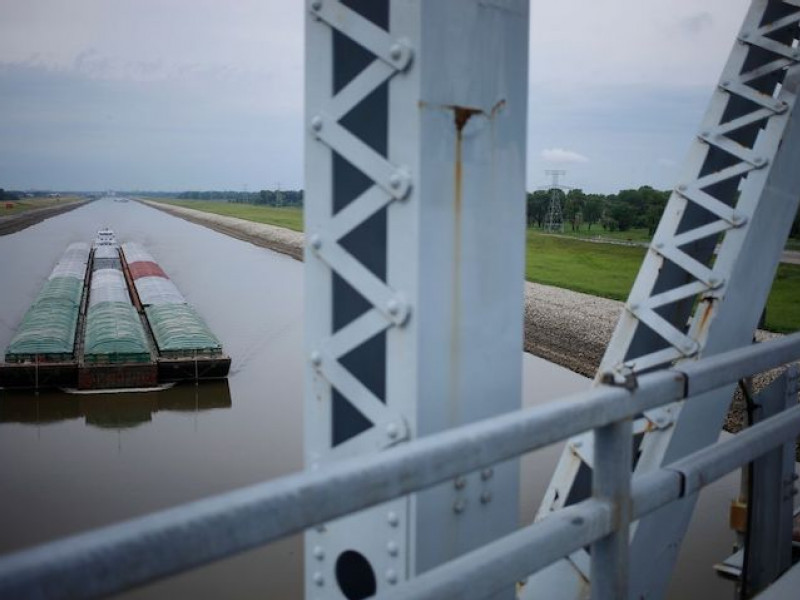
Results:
x,y
26,204
288,217
631,235
599,269
605,270
783,305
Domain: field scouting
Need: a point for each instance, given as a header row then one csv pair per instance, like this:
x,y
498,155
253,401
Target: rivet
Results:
x,y
577,444
316,123
689,347
745,36
577,521
393,306
714,282
760,160
683,187
315,358
315,241
705,134
316,4
392,548
396,52
487,474
320,528
460,482
392,431
319,579
459,507
486,497
634,307
738,219
393,519
725,84
395,180
391,576
659,245
318,552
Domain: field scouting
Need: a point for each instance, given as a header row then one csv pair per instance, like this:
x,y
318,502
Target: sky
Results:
x,y
208,94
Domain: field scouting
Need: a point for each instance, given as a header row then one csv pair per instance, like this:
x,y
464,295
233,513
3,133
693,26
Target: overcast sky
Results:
x,y
208,94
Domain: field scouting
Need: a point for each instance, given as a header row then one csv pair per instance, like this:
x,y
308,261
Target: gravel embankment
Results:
x,y
565,327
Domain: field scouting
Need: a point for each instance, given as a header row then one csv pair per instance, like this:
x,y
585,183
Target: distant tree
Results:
x,y
592,209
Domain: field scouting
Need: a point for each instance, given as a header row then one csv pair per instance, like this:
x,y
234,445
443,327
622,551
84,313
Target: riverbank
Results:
x,y
23,220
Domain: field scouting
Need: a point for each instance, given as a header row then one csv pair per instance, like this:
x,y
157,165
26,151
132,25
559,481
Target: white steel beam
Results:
x,y
415,173
704,283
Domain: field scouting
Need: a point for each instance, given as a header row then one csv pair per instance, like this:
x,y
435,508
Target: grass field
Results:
x,y
26,204
289,217
631,235
606,270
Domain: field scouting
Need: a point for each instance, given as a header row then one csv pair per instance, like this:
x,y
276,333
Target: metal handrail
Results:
x,y
117,557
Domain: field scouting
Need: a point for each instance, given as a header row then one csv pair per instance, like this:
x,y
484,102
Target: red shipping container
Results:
x,y
146,269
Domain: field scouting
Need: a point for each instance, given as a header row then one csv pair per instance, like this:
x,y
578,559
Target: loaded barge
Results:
x,y
108,317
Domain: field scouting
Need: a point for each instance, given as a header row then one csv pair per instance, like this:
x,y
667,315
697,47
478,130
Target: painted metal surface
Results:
x,y
137,551
155,290
145,269
413,311
705,280
114,334
178,328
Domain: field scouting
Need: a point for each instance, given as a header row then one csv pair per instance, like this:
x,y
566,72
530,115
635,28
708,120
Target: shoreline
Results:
x,y
28,218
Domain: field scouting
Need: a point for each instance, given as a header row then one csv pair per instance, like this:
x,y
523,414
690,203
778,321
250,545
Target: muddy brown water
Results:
x,y
69,463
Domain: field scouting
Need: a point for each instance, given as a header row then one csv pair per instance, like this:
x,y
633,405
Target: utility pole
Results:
x,y
554,222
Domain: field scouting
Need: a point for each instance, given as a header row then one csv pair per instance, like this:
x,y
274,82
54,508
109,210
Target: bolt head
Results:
x,y
393,307
725,83
460,482
459,507
316,123
315,358
396,52
392,430
486,497
487,474
395,181
392,548
391,576
318,552
318,578
393,519
315,241
745,36
683,187
316,4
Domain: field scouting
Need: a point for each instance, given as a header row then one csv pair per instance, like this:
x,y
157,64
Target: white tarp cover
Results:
x,y
108,285
135,253
157,290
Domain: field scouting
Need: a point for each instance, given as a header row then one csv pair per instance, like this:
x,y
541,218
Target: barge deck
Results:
x,y
109,318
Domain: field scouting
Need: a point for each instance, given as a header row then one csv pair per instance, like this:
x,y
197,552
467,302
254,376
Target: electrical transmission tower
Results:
x,y
555,215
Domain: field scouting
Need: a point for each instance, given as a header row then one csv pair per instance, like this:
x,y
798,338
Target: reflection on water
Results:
x,y
112,411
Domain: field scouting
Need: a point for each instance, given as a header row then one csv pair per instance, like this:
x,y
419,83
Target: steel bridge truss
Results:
x,y
705,280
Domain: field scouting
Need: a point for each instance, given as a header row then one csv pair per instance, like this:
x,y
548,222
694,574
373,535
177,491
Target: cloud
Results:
x,y
561,155
696,23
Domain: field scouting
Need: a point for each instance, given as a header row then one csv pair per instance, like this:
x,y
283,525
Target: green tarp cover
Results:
x,y
48,328
114,333
61,288
178,328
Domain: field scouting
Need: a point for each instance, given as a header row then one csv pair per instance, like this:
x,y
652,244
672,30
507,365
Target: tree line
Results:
x,y
262,197
627,209
6,196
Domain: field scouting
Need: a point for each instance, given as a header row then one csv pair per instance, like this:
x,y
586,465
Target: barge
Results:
x,y
108,317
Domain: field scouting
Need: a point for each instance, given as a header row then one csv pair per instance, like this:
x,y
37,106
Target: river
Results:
x,y
68,463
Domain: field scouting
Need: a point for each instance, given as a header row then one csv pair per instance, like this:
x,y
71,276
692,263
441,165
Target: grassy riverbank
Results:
x,y
289,217
25,204
606,270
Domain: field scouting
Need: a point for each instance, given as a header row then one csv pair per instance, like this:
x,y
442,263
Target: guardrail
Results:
x,y
115,558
